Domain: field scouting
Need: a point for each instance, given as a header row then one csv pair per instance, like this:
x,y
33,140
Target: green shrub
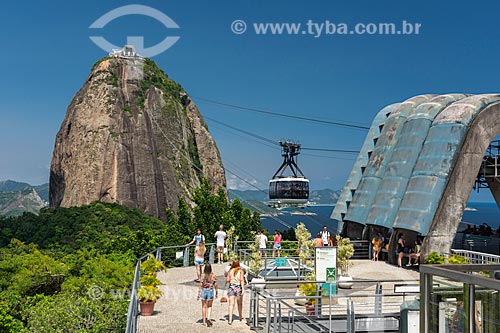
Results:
x,y
434,258
457,260
8,323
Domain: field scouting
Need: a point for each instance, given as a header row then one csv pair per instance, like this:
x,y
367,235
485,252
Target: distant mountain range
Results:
x,y
17,197
257,200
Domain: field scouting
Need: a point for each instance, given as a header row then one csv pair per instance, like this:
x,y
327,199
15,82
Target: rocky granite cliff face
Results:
x,y
133,136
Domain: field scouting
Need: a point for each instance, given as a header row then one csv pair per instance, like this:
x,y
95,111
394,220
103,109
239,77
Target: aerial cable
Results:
x,y
332,150
273,146
216,182
332,157
334,123
244,171
242,131
246,181
260,137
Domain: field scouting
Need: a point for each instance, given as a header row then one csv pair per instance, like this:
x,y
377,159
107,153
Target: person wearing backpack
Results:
x,y
198,238
325,235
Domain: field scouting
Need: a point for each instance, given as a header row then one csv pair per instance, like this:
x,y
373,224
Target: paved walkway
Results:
x,y
381,270
179,311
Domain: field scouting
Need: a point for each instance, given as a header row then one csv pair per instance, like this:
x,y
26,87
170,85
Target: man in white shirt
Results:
x,y
262,243
325,235
198,238
220,236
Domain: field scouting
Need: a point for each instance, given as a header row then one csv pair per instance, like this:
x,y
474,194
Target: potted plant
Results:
x,y
152,265
345,250
148,295
231,240
305,243
309,289
255,262
150,280
149,292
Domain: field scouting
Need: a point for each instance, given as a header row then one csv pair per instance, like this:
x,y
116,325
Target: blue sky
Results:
x,y
46,56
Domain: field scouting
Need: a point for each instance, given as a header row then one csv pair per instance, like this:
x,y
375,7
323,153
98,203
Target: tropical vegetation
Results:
x,y
71,269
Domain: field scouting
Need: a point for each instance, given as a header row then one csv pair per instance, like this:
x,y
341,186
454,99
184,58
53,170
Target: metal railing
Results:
x,y
179,255
360,310
471,297
474,257
478,243
133,306
171,255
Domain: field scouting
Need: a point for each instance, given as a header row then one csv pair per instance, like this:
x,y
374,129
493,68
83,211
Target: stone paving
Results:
x,y
179,311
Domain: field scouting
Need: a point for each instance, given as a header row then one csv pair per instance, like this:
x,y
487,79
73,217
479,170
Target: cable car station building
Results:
x,y
416,169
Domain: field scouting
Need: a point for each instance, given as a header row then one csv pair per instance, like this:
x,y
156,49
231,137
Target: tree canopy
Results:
x,y
70,269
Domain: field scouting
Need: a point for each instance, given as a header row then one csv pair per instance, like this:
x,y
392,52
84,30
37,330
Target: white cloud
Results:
x,y
235,183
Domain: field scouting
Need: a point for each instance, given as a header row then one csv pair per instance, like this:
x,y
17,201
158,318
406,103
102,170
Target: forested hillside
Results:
x,y
70,269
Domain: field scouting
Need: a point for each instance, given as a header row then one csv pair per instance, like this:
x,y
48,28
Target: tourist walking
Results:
x,y
198,238
377,246
262,243
220,236
208,287
199,259
318,241
325,235
401,249
332,241
235,278
277,243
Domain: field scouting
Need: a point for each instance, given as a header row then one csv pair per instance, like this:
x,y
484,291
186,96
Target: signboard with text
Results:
x,y
325,263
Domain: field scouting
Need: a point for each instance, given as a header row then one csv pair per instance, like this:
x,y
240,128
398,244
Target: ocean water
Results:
x,y
315,217
482,212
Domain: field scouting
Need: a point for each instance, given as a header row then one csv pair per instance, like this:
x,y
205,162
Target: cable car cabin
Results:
x,y
288,191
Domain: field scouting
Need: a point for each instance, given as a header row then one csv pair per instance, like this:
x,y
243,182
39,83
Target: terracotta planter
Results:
x,y
147,308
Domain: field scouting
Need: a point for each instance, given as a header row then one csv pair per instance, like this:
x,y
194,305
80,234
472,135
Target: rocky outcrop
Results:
x,y
20,201
133,136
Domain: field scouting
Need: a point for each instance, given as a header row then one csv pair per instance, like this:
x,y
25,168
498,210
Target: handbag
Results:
x,y
223,299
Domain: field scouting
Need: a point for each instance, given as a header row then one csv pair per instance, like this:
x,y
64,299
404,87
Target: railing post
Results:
x,y
378,299
471,307
254,309
348,319
186,256
268,314
425,299
317,304
211,255
275,317
353,317
158,254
